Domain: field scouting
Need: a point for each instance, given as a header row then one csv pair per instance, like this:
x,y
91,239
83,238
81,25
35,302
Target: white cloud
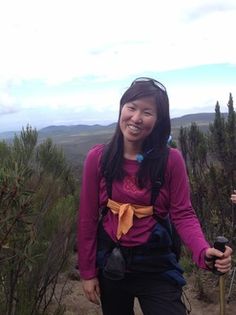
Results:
x,y
8,103
6,106
80,101
195,99
55,40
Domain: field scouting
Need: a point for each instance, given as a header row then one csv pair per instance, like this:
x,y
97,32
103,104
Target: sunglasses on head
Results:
x,y
155,83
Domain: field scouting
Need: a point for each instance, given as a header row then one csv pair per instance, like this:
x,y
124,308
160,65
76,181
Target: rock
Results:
x,y
74,275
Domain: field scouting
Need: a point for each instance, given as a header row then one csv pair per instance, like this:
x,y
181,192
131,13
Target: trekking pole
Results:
x,y
219,244
231,286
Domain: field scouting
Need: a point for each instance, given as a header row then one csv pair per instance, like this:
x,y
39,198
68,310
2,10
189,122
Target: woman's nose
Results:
x,y
137,117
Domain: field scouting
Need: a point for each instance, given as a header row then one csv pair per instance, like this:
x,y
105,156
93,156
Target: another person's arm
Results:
x,y
233,197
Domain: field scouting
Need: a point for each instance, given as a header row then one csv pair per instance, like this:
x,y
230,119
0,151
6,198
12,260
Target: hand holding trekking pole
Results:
x,y
221,262
220,244
218,259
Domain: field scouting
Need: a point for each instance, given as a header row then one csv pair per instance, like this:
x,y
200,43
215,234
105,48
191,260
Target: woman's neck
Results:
x,y
131,150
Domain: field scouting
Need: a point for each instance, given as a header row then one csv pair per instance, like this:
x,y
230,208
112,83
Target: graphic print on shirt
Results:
x,y
129,184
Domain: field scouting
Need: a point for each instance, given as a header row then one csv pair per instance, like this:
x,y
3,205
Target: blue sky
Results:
x,y
69,61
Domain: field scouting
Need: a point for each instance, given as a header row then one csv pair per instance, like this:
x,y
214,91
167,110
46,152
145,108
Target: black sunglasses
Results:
x,y
156,83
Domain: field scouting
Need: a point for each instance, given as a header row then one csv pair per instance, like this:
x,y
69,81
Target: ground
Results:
x,y
76,304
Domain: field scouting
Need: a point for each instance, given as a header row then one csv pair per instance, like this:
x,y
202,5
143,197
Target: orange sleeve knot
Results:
x,y
125,212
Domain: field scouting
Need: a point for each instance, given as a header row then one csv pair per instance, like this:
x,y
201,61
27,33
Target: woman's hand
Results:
x,y
233,197
223,260
92,290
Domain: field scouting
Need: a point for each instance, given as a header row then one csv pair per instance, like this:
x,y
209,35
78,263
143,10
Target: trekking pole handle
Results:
x,y
220,244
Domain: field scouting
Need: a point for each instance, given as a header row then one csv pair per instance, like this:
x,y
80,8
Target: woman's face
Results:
x,y
137,120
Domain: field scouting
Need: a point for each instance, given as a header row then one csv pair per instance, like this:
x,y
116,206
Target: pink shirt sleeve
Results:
x,y
182,212
88,215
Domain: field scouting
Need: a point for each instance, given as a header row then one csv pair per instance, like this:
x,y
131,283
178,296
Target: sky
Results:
x,y
68,62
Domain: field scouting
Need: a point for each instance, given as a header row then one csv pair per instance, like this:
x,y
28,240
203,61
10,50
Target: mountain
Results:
x,y
8,134
79,129
186,120
76,140
63,130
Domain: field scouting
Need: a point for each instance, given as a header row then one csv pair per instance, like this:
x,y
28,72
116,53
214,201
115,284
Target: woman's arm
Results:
x,y
186,221
181,210
88,215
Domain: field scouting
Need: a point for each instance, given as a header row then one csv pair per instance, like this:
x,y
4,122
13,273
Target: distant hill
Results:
x,y
70,130
200,119
76,140
8,135
56,131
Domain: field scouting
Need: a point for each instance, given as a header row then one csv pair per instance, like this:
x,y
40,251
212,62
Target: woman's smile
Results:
x,y
134,128
138,119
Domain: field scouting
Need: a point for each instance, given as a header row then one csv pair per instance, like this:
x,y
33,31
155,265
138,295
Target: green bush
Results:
x,y
37,221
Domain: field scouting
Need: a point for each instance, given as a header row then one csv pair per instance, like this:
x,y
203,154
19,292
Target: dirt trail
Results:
x,y
76,303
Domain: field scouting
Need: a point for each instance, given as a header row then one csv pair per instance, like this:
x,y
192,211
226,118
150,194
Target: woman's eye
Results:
x,y
131,108
147,113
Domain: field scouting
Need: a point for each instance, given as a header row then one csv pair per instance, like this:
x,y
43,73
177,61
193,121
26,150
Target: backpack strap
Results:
x,y
159,181
176,241
104,209
109,188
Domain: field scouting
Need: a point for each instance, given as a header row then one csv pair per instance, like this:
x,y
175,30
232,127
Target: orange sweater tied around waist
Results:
x,y
125,212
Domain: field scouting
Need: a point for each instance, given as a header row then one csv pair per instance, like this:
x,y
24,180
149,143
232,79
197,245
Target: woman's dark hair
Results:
x,y
156,142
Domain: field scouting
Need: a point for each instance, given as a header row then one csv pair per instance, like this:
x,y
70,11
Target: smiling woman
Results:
x,y
137,121
125,243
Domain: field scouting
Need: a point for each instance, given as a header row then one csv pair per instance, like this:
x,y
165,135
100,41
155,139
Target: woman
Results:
x,y
134,231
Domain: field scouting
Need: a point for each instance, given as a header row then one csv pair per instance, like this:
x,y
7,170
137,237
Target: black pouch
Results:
x,y
115,266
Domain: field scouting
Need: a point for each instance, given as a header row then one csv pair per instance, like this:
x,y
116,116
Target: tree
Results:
x,y
37,218
211,163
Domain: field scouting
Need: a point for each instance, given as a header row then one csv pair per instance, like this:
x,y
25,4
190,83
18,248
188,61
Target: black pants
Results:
x,y
156,296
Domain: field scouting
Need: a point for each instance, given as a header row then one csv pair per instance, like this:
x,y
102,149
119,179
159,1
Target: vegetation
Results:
x,y
37,215
38,202
211,163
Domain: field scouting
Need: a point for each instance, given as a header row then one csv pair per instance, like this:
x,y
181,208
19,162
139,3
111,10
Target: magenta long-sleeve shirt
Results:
x,y
174,198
